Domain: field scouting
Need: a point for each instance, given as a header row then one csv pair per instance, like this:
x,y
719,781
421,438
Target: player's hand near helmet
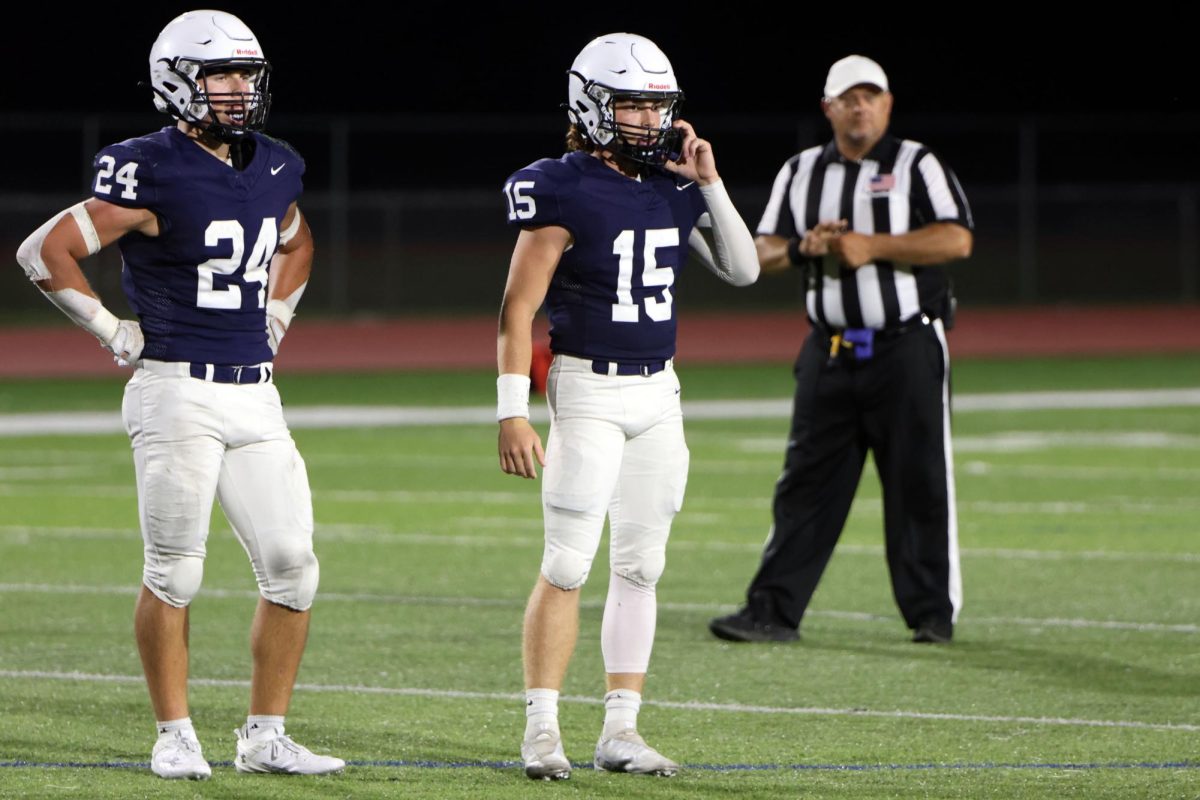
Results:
x,y
696,161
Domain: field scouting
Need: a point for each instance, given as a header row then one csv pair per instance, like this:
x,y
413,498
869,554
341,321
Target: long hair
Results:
x,y
578,140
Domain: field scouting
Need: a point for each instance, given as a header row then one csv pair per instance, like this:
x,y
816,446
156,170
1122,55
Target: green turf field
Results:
x,y
1075,671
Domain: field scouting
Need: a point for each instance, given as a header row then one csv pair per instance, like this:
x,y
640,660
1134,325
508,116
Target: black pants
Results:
x,y
896,405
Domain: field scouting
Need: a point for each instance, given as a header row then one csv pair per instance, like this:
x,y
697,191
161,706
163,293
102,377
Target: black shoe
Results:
x,y
743,627
934,631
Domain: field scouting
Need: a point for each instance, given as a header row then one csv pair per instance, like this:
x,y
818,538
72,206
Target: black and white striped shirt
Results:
x,y
898,187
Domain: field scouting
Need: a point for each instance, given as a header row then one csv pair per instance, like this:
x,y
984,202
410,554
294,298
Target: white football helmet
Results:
x,y
624,65
201,41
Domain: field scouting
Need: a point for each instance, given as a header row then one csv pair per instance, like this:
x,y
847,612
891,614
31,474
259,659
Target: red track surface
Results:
x,y
450,343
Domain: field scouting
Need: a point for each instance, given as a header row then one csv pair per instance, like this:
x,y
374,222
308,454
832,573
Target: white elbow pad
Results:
x,y
29,254
289,233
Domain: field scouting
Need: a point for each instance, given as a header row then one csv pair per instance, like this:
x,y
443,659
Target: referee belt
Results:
x,y
213,373
645,368
891,332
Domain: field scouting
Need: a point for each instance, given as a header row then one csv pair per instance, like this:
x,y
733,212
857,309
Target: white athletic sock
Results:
x,y
620,711
258,725
627,630
541,711
173,726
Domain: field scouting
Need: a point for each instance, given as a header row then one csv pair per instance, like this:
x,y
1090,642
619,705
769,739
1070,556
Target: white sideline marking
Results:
x,y
499,602
690,705
379,416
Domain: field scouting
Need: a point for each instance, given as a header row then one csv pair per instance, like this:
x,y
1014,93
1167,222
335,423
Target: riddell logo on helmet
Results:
x,y
661,87
239,51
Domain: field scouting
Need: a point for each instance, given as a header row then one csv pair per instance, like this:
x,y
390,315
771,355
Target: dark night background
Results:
x,y
1075,136
750,62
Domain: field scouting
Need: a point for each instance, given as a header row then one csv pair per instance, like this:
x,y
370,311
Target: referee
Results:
x,y
866,217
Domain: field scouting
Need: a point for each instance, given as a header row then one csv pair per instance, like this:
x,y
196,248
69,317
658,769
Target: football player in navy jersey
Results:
x,y
604,233
216,256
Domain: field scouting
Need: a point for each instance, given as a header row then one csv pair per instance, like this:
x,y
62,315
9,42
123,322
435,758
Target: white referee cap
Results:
x,y
852,71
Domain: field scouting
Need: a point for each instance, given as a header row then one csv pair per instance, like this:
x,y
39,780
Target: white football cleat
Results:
x,y
179,756
279,754
628,752
544,757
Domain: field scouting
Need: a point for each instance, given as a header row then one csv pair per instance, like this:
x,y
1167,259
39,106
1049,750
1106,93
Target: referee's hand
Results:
x,y
852,249
816,241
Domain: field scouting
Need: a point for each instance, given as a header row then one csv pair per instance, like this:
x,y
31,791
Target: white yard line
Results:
x,y
381,416
705,505
501,602
1044,472
689,705
382,534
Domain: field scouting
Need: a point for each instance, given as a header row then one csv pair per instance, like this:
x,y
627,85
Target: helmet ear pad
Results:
x,y
589,106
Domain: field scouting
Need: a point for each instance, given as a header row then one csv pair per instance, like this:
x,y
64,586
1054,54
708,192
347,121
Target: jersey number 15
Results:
x,y
625,248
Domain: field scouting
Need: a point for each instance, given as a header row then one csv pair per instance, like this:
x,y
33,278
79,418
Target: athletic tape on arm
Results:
x,y
289,233
87,312
29,254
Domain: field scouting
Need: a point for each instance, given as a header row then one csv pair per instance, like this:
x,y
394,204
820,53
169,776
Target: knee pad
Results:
x,y
642,568
174,579
565,568
288,574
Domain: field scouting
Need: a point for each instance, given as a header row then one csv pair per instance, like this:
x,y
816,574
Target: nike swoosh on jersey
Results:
x,y
686,185
275,170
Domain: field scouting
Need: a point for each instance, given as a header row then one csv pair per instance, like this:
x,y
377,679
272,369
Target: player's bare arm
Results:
x,y
50,257
65,245
534,260
938,243
290,270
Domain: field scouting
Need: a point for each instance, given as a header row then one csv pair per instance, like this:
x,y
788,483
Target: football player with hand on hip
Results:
x,y
216,256
603,234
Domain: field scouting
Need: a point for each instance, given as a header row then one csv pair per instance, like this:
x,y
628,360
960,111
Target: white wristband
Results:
x,y
512,396
280,310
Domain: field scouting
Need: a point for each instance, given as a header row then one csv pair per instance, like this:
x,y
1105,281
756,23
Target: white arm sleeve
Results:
x,y
736,260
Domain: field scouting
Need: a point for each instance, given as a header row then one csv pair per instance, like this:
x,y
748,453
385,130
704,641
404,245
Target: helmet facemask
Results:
x,y
179,93
651,146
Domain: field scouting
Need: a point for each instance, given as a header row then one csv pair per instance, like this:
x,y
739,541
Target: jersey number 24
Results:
x,y
207,295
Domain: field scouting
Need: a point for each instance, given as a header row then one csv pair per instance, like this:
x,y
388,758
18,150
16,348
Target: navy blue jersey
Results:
x,y
199,287
611,296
